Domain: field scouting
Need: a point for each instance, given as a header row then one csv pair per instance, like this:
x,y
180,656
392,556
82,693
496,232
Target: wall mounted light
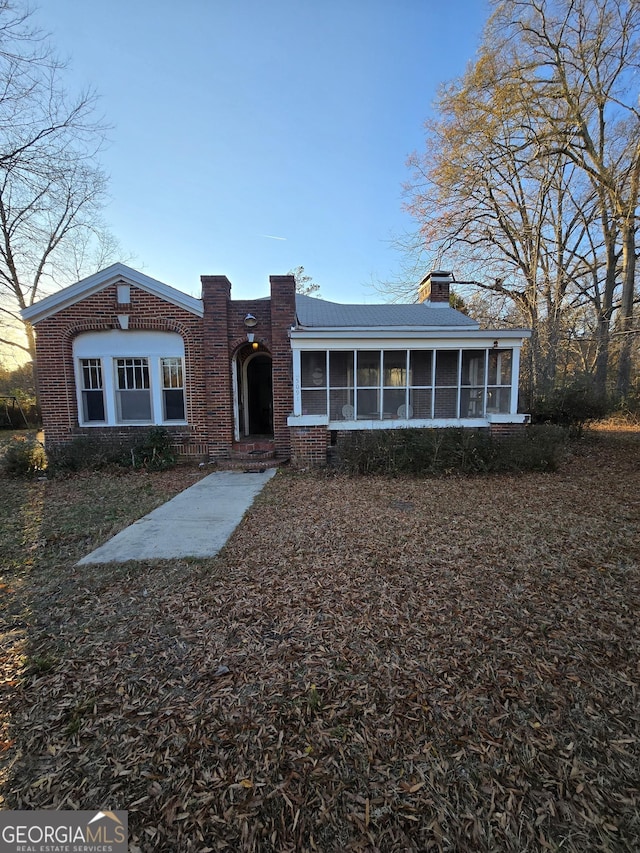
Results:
x,y
252,341
495,344
250,321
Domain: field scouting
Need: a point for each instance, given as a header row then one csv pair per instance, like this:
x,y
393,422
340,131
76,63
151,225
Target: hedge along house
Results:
x,y
285,375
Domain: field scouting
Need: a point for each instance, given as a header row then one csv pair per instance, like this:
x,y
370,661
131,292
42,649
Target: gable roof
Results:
x,y
111,275
315,313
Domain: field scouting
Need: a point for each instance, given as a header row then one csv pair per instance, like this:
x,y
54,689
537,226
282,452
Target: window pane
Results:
x,y
473,367
394,403
446,368
420,403
499,400
341,369
395,369
368,368
172,373
313,367
92,406
420,362
471,402
132,373
446,403
500,367
134,405
314,402
369,404
173,404
341,405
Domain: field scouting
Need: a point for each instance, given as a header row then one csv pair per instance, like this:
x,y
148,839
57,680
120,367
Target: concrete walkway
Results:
x,y
196,523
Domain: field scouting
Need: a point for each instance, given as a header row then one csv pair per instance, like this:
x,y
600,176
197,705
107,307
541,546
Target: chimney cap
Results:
x,y
434,287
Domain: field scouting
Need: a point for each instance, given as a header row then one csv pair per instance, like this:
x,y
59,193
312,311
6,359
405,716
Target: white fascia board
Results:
x,y
94,283
407,338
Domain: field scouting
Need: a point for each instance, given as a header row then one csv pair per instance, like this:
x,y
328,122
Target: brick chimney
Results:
x,y
434,288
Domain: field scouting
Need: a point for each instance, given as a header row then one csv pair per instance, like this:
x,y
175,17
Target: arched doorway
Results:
x,y
254,409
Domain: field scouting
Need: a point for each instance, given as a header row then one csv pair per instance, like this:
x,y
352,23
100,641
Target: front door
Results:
x,y
259,396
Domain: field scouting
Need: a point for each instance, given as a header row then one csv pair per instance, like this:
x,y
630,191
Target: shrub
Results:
x,y
421,452
87,452
84,453
154,451
24,457
570,407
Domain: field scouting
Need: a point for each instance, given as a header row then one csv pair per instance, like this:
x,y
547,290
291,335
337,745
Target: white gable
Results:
x,y
116,273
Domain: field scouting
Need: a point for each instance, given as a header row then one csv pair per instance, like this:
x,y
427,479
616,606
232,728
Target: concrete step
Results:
x,y
252,463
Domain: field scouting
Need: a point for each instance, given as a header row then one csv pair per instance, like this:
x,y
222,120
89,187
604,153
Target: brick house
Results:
x,y
120,351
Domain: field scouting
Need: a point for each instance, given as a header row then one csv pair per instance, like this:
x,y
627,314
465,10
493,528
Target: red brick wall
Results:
x,y
501,430
210,342
56,379
309,445
283,315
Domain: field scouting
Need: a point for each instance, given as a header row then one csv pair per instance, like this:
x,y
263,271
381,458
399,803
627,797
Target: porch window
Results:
x,y
472,384
341,386
172,389
133,391
447,370
92,390
499,381
313,366
407,384
394,388
420,384
368,384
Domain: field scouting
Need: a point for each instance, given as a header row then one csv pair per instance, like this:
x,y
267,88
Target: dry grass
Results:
x,y
369,664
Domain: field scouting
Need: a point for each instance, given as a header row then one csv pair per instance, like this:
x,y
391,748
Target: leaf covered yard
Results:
x,y
370,664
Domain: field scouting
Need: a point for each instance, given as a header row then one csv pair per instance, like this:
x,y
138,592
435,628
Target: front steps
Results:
x,y
250,454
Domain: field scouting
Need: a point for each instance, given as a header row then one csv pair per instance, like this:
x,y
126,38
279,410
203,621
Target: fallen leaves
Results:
x,y
368,665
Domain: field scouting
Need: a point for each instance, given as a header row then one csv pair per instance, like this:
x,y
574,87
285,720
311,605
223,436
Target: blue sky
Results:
x,y
235,122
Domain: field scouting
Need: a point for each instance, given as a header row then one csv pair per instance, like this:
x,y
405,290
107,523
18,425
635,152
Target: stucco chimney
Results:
x,y
434,287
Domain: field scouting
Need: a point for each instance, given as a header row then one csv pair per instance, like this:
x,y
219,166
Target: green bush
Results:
x,y
154,452
82,453
24,457
571,407
87,452
423,452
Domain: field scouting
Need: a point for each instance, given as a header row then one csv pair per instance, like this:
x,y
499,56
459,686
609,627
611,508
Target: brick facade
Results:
x,y
213,344
309,445
99,312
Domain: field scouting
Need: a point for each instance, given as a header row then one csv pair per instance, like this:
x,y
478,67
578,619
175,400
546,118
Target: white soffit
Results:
x,y
50,305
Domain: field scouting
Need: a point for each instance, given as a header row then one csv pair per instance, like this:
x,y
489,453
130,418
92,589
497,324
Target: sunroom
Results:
x,y
432,379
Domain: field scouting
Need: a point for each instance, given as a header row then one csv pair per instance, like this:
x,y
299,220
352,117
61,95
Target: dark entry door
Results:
x,y
260,394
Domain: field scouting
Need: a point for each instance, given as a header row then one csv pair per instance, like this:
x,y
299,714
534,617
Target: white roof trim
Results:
x,y
94,283
422,332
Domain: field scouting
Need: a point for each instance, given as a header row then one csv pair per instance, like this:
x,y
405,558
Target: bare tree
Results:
x,y
575,64
51,190
304,283
510,220
530,176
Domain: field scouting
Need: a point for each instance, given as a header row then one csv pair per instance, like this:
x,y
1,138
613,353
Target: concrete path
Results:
x,y
196,523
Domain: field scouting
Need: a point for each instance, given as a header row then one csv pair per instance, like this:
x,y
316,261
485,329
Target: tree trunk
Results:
x,y
626,310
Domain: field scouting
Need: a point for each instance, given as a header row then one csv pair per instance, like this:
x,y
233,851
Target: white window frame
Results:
x,y
410,418
108,347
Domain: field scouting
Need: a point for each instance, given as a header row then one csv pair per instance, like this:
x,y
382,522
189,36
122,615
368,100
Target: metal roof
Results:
x,y
315,313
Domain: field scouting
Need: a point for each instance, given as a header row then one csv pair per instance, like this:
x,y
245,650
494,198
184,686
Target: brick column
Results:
x,y
283,316
216,292
309,446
